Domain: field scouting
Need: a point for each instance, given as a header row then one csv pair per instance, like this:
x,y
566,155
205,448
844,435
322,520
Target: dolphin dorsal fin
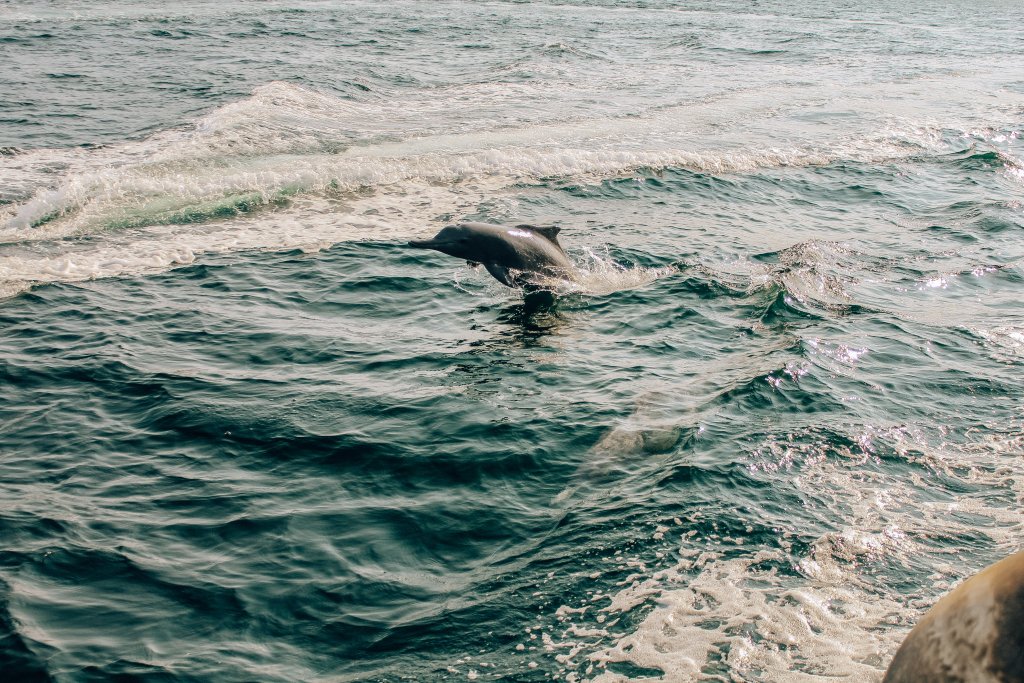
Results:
x,y
548,232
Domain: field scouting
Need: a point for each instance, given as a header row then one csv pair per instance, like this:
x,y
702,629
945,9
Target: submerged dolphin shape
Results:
x,y
520,256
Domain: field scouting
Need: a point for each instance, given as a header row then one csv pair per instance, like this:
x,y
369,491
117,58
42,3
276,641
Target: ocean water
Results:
x,y
246,434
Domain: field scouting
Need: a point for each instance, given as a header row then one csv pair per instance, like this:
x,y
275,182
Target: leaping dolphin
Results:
x,y
520,256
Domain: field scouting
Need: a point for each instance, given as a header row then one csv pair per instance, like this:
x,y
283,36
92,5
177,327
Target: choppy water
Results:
x,y
248,435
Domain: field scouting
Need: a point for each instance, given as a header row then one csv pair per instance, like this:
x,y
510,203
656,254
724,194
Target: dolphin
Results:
x,y
520,256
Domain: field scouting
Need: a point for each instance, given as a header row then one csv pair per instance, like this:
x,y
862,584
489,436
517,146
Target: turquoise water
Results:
x,y
248,435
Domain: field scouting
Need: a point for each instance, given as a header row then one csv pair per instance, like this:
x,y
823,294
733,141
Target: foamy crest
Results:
x,y
315,225
286,140
1006,341
167,193
264,159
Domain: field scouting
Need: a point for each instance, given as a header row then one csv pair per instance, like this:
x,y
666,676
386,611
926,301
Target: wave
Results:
x,y
806,603
290,167
286,139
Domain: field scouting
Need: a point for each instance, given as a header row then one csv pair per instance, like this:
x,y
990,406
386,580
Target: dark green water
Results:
x,y
248,435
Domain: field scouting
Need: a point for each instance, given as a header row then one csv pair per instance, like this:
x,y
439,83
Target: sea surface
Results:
x,y
247,434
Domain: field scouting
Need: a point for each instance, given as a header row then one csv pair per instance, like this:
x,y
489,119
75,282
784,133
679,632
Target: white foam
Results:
x,y
719,615
317,225
286,139
600,275
269,158
158,193
1005,341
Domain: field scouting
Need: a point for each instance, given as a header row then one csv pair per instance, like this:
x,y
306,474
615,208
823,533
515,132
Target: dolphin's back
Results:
x,y
523,247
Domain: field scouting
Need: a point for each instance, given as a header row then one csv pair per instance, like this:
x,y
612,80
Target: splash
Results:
x,y
599,274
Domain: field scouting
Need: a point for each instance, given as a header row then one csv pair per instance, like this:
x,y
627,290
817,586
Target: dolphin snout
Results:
x,y
423,244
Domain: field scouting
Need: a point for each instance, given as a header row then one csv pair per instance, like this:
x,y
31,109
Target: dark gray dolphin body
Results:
x,y
516,256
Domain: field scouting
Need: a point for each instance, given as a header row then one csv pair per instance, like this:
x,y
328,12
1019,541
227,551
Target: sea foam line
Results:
x,y
285,140
291,149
